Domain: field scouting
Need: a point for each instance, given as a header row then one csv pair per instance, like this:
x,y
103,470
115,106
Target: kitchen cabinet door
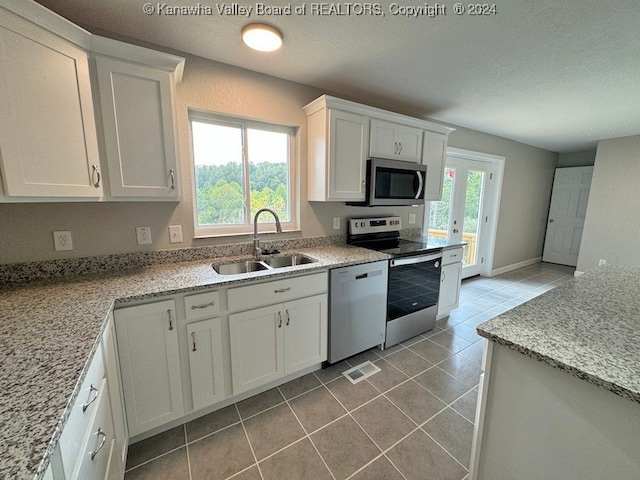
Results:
x,y
147,338
395,141
256,347
434,152
448,299
205,362
338,149
138,122
305,333
47,125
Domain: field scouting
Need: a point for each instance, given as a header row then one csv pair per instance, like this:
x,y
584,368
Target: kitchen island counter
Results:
x,y
50,329
589,327
559,396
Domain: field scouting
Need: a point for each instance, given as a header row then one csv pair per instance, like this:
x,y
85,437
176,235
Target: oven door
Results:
x,y
414,284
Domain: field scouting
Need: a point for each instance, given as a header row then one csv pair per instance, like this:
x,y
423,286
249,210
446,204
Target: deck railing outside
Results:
x,y
469,252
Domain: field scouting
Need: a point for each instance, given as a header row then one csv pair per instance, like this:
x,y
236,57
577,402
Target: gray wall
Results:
x,y
577,159
108,228
612,224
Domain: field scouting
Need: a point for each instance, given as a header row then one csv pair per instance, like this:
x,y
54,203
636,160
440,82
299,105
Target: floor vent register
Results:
x,y
360,372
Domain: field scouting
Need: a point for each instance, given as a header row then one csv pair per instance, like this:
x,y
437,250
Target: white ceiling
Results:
x,y
560,75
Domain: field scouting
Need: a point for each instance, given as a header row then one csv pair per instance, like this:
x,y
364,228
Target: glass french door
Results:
x,y
460,215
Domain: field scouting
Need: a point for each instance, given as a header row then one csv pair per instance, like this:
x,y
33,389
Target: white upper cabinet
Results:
x,y
48,144
137,112
434,153
395,141
338,144
50,137
342,135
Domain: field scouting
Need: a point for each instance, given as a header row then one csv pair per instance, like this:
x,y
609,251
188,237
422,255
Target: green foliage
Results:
x,y
219,190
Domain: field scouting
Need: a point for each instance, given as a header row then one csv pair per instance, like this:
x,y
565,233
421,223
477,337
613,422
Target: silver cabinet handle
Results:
x,y
288,317
193,339
104,440
362,186
420,185
170,320
443,277
92,389
95,173
203,305
279,319
282,290
395,148
400,148
172,176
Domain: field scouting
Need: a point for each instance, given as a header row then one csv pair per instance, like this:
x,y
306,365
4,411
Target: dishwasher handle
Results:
x,y
397,262
363,275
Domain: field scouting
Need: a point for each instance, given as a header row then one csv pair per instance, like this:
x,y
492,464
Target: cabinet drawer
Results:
x,y
95,456
452,256
81,412
269,293
202,305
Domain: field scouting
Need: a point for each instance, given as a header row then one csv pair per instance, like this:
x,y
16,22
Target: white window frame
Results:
x,y
207,231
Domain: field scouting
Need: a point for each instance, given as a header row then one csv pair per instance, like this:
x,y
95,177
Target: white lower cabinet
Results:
x,y
270,342
147,337
206,362
450,277
93,442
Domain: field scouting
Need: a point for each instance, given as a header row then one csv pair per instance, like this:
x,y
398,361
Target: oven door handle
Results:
x,y
420,184
397,262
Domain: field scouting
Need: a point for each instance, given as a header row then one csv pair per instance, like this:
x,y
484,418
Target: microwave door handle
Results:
x,y
420,184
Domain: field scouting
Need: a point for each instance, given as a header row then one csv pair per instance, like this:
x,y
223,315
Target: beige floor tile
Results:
x,y
220,455
453,432
441,384
172,466
300,461
352,395
409,362
380,469
384,423
272,430
415,401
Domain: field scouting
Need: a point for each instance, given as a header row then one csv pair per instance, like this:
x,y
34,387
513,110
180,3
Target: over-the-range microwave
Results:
x,y
393,183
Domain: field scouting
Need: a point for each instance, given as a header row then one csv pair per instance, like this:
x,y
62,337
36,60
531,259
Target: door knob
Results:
x,y
455,230
551,220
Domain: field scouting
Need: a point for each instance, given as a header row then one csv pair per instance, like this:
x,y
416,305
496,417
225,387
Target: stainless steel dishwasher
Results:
x,y
357,308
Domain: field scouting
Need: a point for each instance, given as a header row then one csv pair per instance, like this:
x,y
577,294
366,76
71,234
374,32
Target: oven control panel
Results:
x,y
376,224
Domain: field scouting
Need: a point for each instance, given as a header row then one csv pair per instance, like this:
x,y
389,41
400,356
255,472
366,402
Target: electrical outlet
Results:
x,y
602,262
175,233
336,223
143,235
62,241
412,219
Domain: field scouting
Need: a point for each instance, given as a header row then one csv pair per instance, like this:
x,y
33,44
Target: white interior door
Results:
x,y
463,213
566,215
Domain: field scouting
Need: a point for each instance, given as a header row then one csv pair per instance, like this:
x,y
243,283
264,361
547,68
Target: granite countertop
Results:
x,y
49,332
589,327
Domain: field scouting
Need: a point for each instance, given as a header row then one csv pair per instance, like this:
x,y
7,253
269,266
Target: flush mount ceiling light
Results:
x,y
264,38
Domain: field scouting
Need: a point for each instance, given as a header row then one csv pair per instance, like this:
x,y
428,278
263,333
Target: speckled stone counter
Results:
x,y
589,327
49,332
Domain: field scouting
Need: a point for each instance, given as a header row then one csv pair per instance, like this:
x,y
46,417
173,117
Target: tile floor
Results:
x,y
412,420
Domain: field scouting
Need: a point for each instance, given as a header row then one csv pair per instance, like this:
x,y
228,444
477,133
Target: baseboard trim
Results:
x,y
515,266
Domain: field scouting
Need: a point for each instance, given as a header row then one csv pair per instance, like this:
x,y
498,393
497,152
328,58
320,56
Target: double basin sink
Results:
x,y
253,265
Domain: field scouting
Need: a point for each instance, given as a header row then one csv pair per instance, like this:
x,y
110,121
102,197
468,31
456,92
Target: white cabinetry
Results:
x,y
395,141
150,364
338,144
450,277
48,143
342,135
206,362
281,338
137,107
434,152
93,443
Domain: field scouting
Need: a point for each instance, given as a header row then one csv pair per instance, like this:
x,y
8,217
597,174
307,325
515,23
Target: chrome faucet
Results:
x,y
256,242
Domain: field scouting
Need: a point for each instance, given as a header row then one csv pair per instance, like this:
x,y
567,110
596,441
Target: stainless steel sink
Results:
x,y
288,260
268,263
241,266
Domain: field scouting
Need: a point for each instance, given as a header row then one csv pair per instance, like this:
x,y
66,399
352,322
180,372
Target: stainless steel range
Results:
x,y
414,276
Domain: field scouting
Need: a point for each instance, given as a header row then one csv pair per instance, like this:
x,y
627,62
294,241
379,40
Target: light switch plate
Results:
x,y
175,233
336,223
412,219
